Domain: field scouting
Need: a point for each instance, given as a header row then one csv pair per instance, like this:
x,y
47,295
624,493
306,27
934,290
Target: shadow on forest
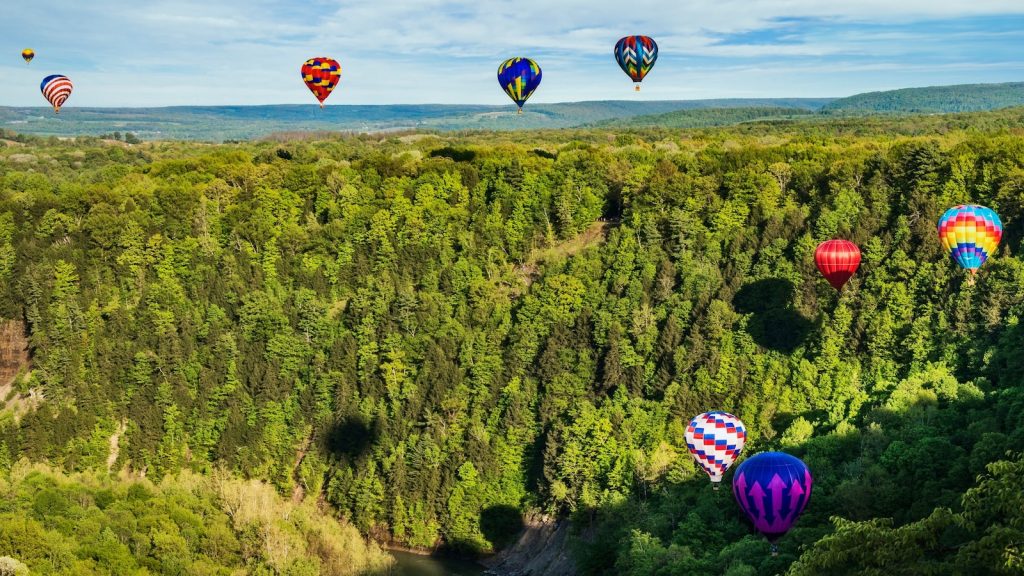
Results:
x,y
774,323
783,420
456,154
501,524
351,436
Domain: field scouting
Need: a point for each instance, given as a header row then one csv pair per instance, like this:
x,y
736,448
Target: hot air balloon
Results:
x,y
971,234
837,260
28,54
715,440
56,88
772,488
636,56
519,77
321,75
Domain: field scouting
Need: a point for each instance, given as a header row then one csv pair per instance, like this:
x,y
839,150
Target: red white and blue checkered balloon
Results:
x,y
715,440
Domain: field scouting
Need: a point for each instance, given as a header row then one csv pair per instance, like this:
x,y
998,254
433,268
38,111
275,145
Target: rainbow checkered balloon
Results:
x,y
715,440
971,234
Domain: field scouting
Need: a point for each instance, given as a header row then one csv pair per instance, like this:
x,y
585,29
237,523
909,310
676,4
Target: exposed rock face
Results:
x,y
542,549
13,350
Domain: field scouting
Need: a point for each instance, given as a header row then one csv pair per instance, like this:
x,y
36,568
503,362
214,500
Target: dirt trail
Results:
x,y
14,361
299,493
115,445
592,236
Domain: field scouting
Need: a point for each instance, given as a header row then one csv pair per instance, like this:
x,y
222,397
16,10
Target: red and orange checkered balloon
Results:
x,y
321,75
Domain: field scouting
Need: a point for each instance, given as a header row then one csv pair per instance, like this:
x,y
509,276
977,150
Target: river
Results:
x,y
418,565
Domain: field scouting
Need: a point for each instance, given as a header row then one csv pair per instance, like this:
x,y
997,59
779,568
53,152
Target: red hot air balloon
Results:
x,y
321,76
837,260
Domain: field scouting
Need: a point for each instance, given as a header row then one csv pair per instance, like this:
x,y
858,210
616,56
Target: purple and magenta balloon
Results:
x,y
772,488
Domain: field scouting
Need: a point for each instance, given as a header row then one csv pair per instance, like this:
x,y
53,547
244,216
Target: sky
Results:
x,y
234,52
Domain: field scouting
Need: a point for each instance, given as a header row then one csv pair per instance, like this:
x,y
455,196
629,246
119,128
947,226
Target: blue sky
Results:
x,y
222,52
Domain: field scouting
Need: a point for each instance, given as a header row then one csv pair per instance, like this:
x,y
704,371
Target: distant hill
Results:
x,y
217,123
707,117
934,99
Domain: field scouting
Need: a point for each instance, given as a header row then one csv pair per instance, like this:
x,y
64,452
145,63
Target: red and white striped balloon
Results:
x,y
56,88
715,440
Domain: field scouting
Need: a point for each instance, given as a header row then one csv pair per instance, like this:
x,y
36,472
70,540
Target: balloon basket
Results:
x,y
636,88
520,111
775,550
715,486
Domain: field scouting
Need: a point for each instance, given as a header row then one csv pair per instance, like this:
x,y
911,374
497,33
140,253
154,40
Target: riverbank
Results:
x,y
412,564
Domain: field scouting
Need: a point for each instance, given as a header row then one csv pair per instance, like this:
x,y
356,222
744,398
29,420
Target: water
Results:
x,y
416,565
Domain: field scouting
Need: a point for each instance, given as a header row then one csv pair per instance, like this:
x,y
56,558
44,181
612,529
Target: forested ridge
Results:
x,y
408,329
933,99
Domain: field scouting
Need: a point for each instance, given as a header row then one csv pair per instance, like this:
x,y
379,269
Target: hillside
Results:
x,y
436,336
218,123
706,118
933,99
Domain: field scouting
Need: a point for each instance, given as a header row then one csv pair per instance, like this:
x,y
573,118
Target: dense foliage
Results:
x,y
434,332
191,525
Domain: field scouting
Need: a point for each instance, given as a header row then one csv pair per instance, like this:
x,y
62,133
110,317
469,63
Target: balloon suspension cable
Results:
x,y
775,549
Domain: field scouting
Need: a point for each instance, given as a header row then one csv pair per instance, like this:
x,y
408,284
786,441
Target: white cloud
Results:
x,y
123,52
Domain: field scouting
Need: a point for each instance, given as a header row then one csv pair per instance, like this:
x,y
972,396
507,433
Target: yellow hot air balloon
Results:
x,y
28,54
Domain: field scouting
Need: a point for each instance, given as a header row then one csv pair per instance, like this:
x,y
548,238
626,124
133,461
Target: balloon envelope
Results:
x,y
837,261
715,440
772,489
56,88
321,76
28,54
636,56
519,77
971,234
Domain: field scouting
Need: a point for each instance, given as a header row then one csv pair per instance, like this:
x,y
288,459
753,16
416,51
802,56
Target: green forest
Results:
x,y
933,99
425,337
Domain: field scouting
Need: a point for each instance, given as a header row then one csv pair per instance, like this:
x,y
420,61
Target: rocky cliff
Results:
x,y
542,549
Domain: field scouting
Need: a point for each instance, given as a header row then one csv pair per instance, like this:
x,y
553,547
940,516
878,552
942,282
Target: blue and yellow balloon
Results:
x,y
519,77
